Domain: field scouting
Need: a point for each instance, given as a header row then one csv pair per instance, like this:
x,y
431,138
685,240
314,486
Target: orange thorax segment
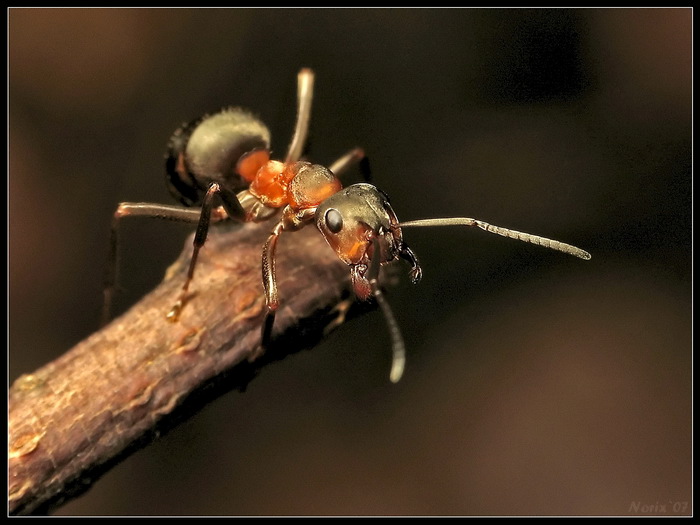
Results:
x,y
309,192
271,183
301,185
250,163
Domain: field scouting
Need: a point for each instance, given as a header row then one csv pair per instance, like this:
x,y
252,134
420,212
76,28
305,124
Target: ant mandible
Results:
x,y
225,158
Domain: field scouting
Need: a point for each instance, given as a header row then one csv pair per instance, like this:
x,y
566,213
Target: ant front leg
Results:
x,y
407,254
232,208
292,220
270,283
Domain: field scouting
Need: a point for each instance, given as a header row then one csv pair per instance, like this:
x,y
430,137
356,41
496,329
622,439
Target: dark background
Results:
x,y
536,383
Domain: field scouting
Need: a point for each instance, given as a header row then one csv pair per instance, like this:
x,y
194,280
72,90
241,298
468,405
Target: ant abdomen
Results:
x,y
208,149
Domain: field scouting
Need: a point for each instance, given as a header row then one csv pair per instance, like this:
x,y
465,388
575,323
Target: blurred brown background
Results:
x,y
536,383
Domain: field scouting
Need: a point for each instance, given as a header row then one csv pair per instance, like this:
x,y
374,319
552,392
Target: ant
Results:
x,y
224,159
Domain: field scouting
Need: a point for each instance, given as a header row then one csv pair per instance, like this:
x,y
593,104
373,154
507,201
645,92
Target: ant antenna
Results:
x,y
505,232
398,347
305,93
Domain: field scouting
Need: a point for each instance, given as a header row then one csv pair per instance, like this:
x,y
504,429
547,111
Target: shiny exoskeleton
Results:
x,y
221,165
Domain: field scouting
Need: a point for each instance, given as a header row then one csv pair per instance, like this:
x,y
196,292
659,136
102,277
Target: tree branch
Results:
x,y
74,418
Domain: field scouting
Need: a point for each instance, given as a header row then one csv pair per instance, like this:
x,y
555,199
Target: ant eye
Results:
x,y
334,220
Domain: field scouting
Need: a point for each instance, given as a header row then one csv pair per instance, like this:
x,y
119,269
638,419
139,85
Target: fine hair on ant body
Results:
x,y
219,168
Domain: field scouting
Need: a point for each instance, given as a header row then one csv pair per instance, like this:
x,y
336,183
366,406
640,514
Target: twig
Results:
x,y
74,418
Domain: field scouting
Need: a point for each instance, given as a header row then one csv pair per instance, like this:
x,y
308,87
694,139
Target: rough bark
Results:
x,y
74,418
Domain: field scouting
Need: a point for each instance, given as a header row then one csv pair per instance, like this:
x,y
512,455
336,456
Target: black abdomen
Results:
x,y
207,150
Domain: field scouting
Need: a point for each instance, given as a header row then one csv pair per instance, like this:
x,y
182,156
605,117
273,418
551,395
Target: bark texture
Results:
x,y
74,418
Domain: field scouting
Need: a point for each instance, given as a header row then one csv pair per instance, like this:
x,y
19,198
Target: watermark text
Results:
x,y
659,507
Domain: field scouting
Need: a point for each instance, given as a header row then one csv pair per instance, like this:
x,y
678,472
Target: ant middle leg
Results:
x,y
231,208
139,209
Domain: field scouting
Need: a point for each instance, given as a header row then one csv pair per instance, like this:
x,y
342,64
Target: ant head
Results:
x,y
350,220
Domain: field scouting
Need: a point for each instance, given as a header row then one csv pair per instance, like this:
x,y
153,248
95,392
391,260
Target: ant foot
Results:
x,y
174,314
416,274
